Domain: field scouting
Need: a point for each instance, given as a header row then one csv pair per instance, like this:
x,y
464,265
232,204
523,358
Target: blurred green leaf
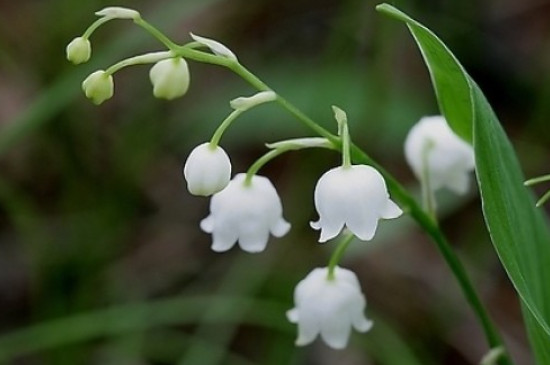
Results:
x,y
518,230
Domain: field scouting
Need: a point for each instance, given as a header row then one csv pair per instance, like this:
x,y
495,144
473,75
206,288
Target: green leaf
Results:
x,y
518,230
448,77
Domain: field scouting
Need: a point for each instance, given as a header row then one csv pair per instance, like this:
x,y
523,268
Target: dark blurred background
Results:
x,y
94,213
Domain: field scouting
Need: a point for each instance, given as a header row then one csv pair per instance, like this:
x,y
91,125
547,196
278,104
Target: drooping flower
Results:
x,y
328,306
79,50
207,170
353,196
170,78
435,152
246,213
98,86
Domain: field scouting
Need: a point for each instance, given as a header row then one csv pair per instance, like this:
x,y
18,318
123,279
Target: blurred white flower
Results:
x,y
330,307
170,78
79,50
207,170
432,149
98,86
216,47
246,213
118,12
354,196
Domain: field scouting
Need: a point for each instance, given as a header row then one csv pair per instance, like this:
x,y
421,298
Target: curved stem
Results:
x,y
337,254
257,165
215,140
139,60
156,33
92,28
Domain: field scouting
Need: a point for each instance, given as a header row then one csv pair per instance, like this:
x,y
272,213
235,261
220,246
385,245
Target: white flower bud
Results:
x,y
245,213
118,12
216,47
79,50
433,149
170,78
98,86
329,307
244,103
354,196
207,170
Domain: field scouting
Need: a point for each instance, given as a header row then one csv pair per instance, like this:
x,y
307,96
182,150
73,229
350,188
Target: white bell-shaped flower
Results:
x,y
434,151
354,196
170,78
79,50
330,307
207,170
98,86
246,213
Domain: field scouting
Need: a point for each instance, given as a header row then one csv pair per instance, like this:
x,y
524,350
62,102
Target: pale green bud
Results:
x,y
216,47
79,50
98,86
118,12
244,103
170,78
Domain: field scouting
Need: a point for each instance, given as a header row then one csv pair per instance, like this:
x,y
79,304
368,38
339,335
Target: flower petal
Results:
x,y
329,228
280,228
392,210
308,328
336,330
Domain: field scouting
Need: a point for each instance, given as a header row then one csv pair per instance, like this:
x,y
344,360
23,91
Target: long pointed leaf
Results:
x,y
518,230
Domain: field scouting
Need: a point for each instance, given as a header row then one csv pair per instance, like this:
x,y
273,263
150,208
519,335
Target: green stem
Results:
x,y
139,60
92,28
156,33
544,198
215,140
257,165
427,191
337,254
537,180
346,156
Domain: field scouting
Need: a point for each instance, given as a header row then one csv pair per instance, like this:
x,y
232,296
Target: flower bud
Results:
x,y
207,170
170,78
79,50
98,86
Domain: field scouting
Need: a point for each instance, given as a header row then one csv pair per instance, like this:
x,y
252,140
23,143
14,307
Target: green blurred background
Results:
x,y
101,257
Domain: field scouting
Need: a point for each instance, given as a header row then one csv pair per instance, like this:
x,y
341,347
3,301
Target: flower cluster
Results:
x,y
246,210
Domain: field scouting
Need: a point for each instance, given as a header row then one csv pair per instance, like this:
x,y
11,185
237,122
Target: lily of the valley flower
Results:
x,y
79,50
207,170
246,213
330,307
170,78
435,152
98,86
355,196
216,47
